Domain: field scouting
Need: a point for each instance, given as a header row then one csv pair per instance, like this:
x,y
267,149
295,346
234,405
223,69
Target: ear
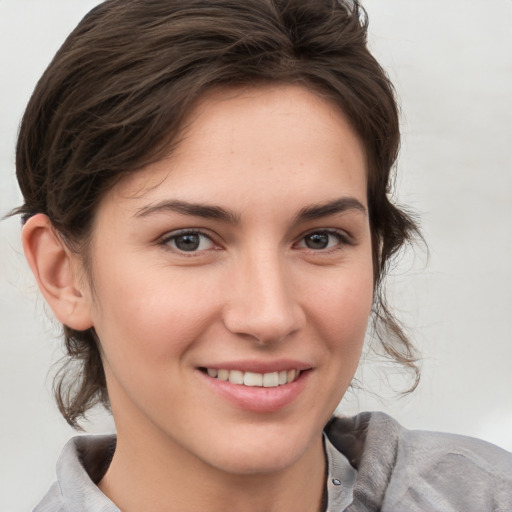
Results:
x,y
55,269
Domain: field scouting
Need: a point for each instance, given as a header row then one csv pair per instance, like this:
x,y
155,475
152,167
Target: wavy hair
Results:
x,y
114,97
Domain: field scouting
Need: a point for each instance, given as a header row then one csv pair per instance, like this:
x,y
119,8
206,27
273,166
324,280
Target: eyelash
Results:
x,y
342,238
173,236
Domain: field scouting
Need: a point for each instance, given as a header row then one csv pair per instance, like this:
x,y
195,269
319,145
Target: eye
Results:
x,y
321,240
188,241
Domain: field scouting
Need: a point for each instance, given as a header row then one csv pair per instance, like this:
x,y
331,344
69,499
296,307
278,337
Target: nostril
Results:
x,y
263,326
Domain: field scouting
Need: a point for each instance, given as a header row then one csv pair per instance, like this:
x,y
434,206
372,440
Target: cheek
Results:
x,y
339,313
150,315
343,309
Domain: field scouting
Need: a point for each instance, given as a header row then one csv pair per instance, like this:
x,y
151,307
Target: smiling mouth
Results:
x,y
253,379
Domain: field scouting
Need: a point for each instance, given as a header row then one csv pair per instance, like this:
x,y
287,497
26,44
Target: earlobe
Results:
x,y
53,266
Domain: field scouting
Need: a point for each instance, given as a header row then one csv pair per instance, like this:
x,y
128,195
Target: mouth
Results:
x,y
253,379
275,386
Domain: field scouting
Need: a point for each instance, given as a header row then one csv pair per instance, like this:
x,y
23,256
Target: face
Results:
x,y
233,281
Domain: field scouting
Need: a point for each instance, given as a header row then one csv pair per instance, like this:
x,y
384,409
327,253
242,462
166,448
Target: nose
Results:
x,y
263,304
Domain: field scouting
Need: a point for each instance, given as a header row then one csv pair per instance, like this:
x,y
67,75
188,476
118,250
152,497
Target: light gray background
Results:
x,y
451,63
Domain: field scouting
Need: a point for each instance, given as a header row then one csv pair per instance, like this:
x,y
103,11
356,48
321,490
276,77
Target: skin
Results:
x,y
253,292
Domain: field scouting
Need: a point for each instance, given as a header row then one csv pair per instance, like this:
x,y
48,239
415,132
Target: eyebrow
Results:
x,y
312,212
340,205
186,208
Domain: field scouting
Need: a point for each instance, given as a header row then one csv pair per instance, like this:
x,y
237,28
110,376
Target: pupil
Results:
x,y
317,241
188,242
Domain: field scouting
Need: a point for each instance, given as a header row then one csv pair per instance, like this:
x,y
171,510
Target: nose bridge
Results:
x,y
263,304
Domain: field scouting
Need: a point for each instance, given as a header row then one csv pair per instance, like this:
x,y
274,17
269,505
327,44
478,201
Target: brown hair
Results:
x,y
114,97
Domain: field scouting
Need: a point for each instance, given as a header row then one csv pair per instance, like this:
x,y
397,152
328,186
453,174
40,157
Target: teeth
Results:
x,y
236,377
270,380
252,379
223,374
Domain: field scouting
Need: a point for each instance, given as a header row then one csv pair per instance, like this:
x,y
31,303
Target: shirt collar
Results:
x,y
83,455
341,478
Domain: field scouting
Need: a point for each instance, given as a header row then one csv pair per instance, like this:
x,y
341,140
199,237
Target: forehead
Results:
x,y
239,145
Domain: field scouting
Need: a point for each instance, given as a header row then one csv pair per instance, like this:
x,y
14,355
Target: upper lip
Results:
x,y
260,366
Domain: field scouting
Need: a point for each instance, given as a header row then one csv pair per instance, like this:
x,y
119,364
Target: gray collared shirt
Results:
x,y
373,464
76,491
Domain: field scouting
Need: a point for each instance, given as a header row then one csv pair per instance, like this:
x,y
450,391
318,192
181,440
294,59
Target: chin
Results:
x,y
256,462
265,450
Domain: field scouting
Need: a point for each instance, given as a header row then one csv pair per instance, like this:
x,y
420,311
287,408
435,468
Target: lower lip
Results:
x,y
258,399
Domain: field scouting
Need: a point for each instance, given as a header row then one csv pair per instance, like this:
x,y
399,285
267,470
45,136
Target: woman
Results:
x,y
206,213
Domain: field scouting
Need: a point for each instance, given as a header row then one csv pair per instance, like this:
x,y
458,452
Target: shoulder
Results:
x,y
52,501
80,467
400,469
454,472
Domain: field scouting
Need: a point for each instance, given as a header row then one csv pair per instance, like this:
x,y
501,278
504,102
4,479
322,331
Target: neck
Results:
x,y
158,475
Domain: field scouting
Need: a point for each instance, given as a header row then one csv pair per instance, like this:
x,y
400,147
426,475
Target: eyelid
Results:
x,y
165,240
343,237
